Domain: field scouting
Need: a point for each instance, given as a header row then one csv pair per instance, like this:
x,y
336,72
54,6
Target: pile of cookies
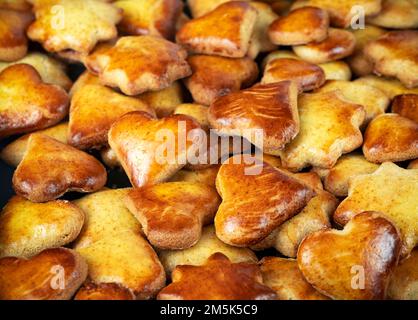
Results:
x,y
321,96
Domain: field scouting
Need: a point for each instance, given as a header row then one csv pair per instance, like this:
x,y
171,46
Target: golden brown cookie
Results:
x,y
155,17
27,103
136,64
198,7
336,70
270,107
13,153
218,279
260,41
391,87
103,291
285,278
206,176
253,198
164,101
395,54
50,168
397,14
404,281
15,4
307,76
93,110
76,25
406,105
141,143
13,41
54,274
231,38
207,245
300,26
336,180
339,44
197,111
329,127
215,76
51,70
360,64
172,214
28,228
114,248
373,100
359,259
390,190
391,137
343,13
315,216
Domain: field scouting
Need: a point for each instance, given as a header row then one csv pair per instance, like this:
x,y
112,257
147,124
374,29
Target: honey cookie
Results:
x,y
136,64
219,279
42,106
391,137
204,35
390,190
358,260
215,76
172,214
50,168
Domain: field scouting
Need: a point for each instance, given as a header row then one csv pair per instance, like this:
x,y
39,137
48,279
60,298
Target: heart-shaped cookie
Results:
x,y
391,137
354,263
215,76
218,279
256,199
307,75
152,150
13,41
271,109
27,103
51,168
27,228
54,274
172,214
205,35
300,26
93,110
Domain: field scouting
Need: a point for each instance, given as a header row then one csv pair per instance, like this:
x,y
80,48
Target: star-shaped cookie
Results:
x,y
218,279
75,25
136,64
390,190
